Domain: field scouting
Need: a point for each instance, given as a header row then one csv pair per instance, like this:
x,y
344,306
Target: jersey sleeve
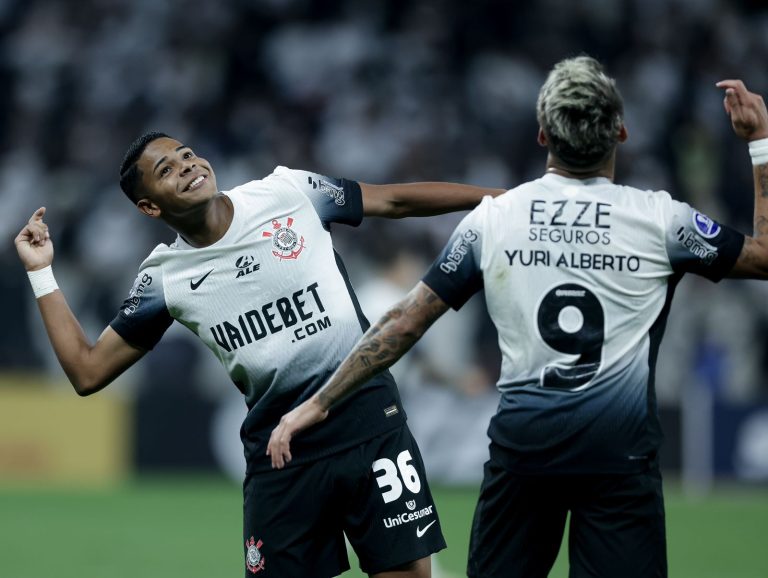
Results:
x,y
698,244
456,274
335,200
143,316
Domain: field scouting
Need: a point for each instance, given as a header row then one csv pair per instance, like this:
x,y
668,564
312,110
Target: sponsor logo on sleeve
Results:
x,y
137,291
334,191
458,251
287,242
705,226
700,249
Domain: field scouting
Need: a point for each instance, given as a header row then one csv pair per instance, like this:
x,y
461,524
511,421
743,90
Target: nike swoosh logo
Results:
x,y
420,532
193,285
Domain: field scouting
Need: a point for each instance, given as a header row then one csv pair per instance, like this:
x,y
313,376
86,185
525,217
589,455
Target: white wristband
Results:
x,y
43,281
758,150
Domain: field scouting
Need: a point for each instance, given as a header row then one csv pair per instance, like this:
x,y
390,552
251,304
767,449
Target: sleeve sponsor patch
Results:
x,y
143,316
335,192
335,200
458,251
456,275
705,226
698,244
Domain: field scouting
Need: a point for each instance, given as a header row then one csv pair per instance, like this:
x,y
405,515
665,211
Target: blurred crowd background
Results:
x,y
378,91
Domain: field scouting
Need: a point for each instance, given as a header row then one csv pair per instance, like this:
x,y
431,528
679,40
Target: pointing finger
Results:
x,y
735,93
736,84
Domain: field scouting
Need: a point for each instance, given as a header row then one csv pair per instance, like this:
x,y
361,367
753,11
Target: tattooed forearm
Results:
x,y
762,179
761,226
761,200
750,255
375,352
384,343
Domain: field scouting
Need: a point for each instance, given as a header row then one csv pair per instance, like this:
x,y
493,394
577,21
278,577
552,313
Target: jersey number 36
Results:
x,y
390,479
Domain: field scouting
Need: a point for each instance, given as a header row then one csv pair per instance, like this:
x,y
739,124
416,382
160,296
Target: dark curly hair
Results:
x,y
130,175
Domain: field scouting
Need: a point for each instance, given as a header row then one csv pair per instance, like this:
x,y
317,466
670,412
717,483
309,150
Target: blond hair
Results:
x,y
580,111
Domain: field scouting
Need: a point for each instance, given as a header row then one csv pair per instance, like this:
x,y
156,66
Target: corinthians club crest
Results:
x,y
287,242
254,560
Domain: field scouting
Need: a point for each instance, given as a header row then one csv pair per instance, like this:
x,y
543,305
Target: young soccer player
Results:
x,y
253,273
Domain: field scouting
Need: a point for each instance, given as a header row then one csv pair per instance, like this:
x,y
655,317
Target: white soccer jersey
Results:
x,y
272,301
578,278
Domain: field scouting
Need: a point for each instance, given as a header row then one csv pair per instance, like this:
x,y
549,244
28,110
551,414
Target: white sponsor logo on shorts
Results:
x,y
408,517
420,532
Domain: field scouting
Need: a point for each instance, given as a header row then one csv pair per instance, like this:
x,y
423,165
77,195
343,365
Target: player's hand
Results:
x,y
33,243
307,414
746,109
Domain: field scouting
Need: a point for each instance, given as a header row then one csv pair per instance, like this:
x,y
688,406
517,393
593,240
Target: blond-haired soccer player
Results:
x,y
578,274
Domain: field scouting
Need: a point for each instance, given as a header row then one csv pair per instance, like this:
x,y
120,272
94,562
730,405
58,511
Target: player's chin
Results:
x,y
199,196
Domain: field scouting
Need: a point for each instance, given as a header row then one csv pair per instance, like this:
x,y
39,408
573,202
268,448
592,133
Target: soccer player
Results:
x,y
578,274
253,273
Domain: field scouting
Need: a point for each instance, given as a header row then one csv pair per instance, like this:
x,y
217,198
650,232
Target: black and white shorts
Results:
x,y
375,493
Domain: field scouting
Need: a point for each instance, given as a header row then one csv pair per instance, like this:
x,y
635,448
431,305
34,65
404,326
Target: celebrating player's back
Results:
x,y
578,277
578,274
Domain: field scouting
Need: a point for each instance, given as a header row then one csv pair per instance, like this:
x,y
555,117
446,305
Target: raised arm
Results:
x,y
381,346
421,199
750,121
89,367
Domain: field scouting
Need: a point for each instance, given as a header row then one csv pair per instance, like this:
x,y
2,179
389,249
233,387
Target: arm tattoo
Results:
x,y
762,180
753,259
384,343
761,226
749,255
761,197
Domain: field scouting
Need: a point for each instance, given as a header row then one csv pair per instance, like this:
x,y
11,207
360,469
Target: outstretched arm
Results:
x,y
750,121
89,367
421,199
380,347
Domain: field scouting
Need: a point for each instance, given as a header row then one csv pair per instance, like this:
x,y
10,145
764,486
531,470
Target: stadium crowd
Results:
x,y
380,91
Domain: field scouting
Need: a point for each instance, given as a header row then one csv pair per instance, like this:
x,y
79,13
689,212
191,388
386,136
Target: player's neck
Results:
x,y
207,225
557,167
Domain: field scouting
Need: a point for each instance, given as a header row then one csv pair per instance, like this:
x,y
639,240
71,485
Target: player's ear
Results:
x,y
623,134
148,208
541,138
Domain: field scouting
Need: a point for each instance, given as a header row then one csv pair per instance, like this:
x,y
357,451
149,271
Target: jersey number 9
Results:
x,y
571,320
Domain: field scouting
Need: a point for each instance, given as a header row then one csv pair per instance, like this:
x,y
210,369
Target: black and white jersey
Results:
x,y
578,277
272,301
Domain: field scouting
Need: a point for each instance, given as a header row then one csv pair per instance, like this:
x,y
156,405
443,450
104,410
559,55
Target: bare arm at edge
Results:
x,y
749,119
89,367
421,199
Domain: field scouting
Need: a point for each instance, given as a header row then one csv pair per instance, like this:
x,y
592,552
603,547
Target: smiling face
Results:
x,y
173,179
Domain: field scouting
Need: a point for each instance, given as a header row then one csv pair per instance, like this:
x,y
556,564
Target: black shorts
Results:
x,y
375,493
616,526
